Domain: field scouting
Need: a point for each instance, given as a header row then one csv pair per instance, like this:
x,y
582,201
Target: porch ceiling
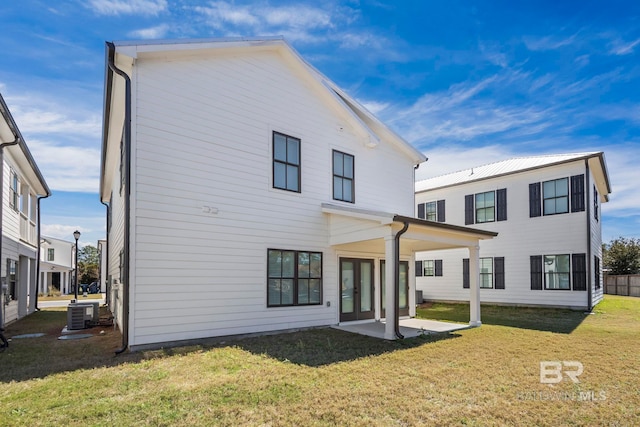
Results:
x,y
365,231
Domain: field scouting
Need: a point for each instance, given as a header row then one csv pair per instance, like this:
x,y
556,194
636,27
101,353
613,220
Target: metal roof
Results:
x,y
505,167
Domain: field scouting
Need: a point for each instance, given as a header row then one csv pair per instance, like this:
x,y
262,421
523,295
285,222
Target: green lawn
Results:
x,y
482,376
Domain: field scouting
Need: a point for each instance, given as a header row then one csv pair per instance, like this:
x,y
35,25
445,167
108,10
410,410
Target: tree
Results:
x,y
88,260
622,256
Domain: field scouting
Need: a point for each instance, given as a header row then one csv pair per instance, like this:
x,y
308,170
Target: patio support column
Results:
x,y
474,285
389,255
44,283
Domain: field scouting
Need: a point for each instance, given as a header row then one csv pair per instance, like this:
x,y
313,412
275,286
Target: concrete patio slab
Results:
x,y
410,328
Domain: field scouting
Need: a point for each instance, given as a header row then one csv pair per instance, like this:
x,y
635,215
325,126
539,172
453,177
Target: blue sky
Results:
x,y
468,83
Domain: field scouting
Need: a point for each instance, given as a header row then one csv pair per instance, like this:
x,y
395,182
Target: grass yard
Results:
x,y
482,376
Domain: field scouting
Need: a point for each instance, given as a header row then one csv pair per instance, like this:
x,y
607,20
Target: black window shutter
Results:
x,y
577,193
438,267
421,211
501,204
418,268
498,266
579,262
465,273
536,272
469,211
535,202
440,214
596,272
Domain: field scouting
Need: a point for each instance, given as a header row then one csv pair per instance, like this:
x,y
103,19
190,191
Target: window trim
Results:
x,y
568,273
438,212
342,177
429,267
544,198
491,274
595,203
286,163
296,278
476,209
14,190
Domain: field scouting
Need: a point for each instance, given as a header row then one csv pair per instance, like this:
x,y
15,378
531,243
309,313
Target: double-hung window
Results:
x,y
432,211
486,273
595,203
14,200
286,162
51,254
557,271
485,207
12,279
294,278
555,195
343,177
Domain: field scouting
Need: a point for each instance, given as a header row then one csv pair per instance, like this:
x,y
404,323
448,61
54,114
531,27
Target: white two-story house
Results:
x,y
546,210
247,193
22,187
57,265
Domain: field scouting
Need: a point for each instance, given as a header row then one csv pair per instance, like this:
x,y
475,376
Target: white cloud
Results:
x,y
156,32
128,7
374,107
548,42
62,231
620,47
299,23
67,168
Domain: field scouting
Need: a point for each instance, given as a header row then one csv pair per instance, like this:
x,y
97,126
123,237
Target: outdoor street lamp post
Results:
x,y
76,235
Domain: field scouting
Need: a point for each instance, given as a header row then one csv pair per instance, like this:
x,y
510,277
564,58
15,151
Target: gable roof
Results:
x,y
519,165
371,128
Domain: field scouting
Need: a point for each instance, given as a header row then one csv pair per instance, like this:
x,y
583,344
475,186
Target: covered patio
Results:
x,y
354,230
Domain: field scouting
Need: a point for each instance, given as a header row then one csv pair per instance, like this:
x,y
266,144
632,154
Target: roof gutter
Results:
x,y
106,256
396,280
589,275
111,53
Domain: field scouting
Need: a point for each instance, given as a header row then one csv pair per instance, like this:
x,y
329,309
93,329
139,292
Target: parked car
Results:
x,y
94,288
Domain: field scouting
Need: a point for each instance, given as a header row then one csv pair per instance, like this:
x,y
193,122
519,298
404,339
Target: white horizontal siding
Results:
x,y
519,238
202,138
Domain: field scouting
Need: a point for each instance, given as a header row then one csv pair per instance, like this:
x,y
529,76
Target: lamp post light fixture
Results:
x,y
76,235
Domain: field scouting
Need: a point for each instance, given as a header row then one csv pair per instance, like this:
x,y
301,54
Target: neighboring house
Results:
x,y
546,210
22,188
57,264
247,193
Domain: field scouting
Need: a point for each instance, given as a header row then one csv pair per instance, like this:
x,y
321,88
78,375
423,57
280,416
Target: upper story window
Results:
x,y
51,254
485,207
432,211
595,203
286,162
343,177
555,196
14,197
